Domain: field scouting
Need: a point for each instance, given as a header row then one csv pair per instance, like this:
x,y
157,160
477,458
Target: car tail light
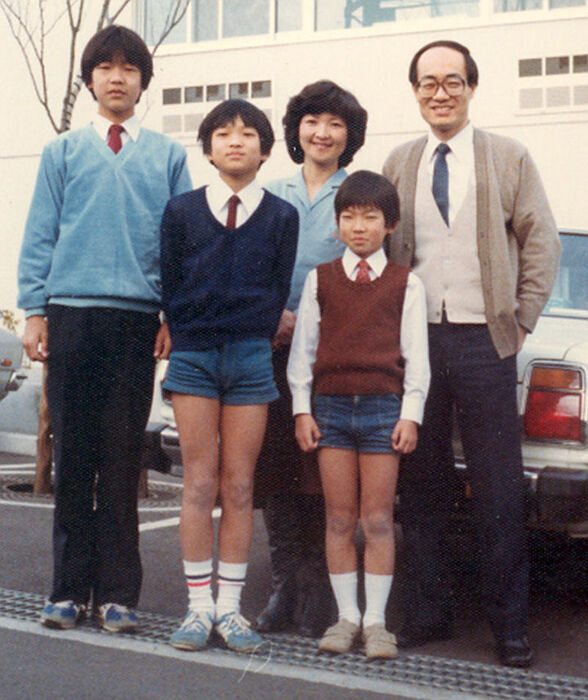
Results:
x,y
555,404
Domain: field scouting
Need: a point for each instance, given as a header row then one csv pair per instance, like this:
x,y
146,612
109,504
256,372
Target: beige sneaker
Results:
x,y
378,642
340,637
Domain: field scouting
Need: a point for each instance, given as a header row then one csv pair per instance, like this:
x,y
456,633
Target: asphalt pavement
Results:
x,y
87,663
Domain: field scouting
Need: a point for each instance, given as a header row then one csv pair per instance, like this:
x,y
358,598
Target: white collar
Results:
x,y
102,124
461,144
377,261
218,194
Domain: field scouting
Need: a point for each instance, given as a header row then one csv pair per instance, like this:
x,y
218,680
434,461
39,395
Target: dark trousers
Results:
x,y
468,375
100,387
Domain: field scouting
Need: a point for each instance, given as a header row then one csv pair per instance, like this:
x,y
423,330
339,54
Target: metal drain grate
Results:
x,y
413,669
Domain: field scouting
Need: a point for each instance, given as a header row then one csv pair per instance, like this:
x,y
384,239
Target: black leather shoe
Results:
x,y
415,636
278,614
514,652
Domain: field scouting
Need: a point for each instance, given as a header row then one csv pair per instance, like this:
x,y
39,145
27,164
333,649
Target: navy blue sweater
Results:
x,y
220,284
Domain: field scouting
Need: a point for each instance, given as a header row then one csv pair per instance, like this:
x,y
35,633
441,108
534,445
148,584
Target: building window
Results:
x,y
215,93
172,123
557,65
204,20
192,122
288,15
557,96
531,98
245,18
172,96
157,18
581,95
261,88
517,5
351,14
581,63
239,90
529,67
193,94
554,4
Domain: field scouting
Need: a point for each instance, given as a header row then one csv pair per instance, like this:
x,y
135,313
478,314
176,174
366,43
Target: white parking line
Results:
x,y
170,522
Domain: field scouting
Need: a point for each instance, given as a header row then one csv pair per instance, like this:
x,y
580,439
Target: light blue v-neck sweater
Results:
x,y
92,234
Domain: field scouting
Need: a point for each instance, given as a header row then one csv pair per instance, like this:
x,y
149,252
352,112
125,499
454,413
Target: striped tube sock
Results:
x,y
231,579
198,576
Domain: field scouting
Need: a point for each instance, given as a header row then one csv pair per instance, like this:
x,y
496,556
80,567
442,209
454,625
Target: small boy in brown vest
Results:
x,y
359,357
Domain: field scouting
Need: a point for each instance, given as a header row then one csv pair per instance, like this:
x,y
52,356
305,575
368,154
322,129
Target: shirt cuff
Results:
x,y
412,408
301,402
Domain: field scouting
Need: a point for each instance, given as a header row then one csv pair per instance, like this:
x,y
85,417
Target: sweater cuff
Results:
x,y
41,311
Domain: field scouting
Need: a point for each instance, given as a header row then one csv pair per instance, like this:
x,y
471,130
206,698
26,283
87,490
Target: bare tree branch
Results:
x,y
30,26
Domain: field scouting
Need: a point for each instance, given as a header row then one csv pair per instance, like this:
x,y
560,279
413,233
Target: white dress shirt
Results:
x,y
413,339
218,194
460,165
132,126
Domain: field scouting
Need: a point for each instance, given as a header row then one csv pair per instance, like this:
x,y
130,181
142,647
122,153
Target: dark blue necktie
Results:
x,y
441,181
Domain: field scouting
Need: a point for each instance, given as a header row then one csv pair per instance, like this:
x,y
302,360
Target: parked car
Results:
x,y
11,354
552,375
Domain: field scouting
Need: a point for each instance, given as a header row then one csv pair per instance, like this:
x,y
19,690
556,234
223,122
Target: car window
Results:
x,y
570,292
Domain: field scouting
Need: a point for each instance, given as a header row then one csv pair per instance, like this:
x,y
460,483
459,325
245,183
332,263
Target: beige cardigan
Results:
x,y
518,242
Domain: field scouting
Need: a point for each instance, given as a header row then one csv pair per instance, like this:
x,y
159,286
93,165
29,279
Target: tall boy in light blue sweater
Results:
x,y
89,284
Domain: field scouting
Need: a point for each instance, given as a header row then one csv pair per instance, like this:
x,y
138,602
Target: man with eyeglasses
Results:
x,y
477,228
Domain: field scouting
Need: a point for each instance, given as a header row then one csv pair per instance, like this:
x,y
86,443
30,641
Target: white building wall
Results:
x,y
372,63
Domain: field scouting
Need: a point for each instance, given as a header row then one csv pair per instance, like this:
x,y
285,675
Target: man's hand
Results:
x,y
36,338
307,432
404,436
522,336
285,330
162,347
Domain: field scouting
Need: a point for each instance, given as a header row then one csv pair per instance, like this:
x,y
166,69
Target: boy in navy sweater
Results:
x,y
360,352
89,284
227,254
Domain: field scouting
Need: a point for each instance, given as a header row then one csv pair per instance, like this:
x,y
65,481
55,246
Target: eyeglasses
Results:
x,y
453,85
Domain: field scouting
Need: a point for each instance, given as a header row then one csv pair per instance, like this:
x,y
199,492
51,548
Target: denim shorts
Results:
x,y
363,423
238,373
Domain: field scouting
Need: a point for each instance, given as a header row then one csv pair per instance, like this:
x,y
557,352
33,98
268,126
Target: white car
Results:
x,y
10,362
552,375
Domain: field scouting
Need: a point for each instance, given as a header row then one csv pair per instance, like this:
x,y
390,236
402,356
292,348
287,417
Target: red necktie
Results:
x,y
114,139
363,274
232,215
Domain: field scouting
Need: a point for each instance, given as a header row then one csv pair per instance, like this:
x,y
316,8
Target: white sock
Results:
x,y
230,579
377,590
345,590
198,577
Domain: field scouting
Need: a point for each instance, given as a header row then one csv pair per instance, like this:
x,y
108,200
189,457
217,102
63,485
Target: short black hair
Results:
x,y
365,188
470,64
226,112
116,39
318,98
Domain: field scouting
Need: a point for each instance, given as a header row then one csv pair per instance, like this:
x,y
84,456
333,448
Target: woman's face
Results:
x,y
323,138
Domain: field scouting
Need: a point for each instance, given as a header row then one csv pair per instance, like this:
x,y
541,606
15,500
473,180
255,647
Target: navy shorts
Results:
x,y
237,373
363,423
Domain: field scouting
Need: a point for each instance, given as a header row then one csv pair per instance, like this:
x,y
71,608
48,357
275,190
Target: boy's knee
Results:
x,y
201,492
237,493
377,524
341,522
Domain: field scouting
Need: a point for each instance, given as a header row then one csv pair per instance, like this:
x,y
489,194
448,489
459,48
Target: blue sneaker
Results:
x,y
62,615
194,631
117,618
236,632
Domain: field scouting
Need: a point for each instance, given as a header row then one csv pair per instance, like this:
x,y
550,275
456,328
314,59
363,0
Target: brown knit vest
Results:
x,y
359,344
